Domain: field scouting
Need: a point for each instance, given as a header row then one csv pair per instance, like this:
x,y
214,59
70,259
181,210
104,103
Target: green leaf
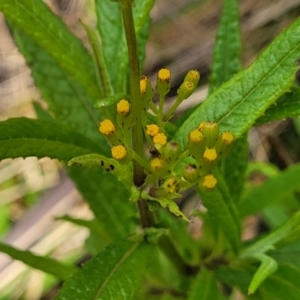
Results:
x,y
240,101
283,284
113,274
107,197
45,264
93,225
122,172
227,50
287,106
268,242
203,286
70,106
36,20
223,212
234,166
272,190
102,76
67,101
114,44
267,267
21,137
41,113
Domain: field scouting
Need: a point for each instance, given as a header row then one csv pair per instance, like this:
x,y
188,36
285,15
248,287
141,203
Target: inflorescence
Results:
x,y
169,169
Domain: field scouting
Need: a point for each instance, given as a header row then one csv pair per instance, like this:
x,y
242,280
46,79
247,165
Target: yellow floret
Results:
x,y
209,181
118,152
164,75
143,84
156,164
210,154
227,137
107,127
160,139
123,107
195,136
152,129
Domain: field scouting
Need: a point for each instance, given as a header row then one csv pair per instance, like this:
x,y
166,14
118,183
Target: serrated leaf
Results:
x,y
269,242
203,286
227,50
287,106
21,137
240,101
71,106
234,166
113,274
223,212
226,63
267,267
36,20
67,101
271,191
45,264
114,44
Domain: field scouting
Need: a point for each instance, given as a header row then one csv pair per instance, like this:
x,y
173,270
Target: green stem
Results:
x,y
173,109
146,216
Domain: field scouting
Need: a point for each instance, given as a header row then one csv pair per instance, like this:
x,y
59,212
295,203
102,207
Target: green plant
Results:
x,y
133,256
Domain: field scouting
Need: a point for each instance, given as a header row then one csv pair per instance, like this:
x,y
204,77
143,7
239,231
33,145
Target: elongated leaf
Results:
x,y
67,101
283,284
93,225
267,267
227,51
23,137
241,100
271,191
204,286
113,274
36,20
45,264
223,212
111,31
226,63
287,106
268,242
70,106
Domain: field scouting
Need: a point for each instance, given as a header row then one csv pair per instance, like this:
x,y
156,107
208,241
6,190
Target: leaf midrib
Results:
x,y
115,268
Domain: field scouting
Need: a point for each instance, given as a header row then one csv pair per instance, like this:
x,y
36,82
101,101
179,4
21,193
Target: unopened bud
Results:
x,y
186,89
163,82
208,182
193,76
172,152
225,143
190,173
196,144
210,131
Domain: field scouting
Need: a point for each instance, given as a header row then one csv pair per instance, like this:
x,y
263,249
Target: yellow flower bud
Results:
x,y
209,181
107,127
118,152
196,144
210,155
163,84
196,136
160,139
123,107
164,75
143,84
225,143
171,185
210,131
156,164
193,76
186,89
152,129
